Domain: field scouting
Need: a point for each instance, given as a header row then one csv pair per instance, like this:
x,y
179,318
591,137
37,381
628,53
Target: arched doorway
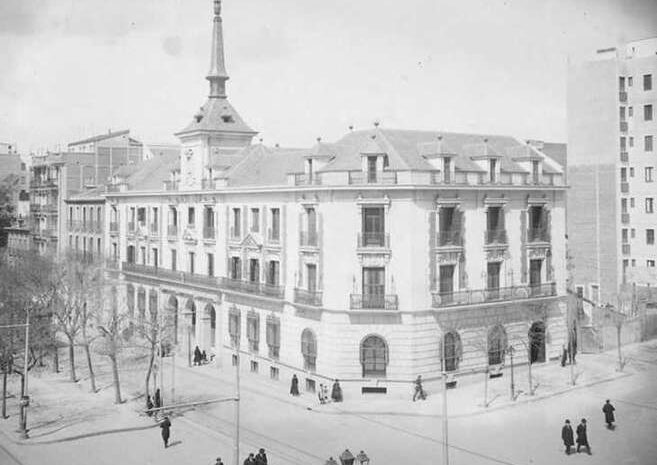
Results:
x,y
537,342
496,345
374,357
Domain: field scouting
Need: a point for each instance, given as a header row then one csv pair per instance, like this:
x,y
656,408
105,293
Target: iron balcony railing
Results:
x,y
477,296
306,297
622,96
304,179
171,185
496,236
209,232
379,177
538,235
373,301
450,237
251,287
623,126
377,239
171,275
274,235
172,230
625,218
624,157
308,238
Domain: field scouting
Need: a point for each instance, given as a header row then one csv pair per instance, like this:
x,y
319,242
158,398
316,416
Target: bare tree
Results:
x,y
110,325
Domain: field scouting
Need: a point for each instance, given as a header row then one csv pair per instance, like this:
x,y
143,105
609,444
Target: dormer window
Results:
x,y
227,118
447,169
371,169
310,168
535,171
492,168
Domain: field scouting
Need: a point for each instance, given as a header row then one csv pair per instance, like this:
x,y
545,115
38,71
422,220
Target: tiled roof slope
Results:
x,y
266,166
100,137
557,151
217,114
95,193
150,174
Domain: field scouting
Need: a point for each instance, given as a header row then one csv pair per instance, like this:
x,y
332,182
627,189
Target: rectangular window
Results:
x,y
156,257
273,334
621,83
274,373
235,268
623,205
173,216
142,251
234,327
373,227
649,205
647,112
273,275
631,171
623,174
253,331
155,223
210,264
647,82
374,287
115,251
141,216
595,293
624,235
191,216
447,169
311,276
623,143
650,263
371,169
191,262
633,233
492,170
254,270
275,224
630,81
647,143
174,264
237,223
648,173
631,203
650,236
631,141
493,278
255,220
622,113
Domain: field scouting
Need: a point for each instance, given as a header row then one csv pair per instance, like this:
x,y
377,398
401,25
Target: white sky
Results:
x,y
300,68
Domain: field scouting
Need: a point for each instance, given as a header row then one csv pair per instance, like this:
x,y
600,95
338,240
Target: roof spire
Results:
x,y
217,75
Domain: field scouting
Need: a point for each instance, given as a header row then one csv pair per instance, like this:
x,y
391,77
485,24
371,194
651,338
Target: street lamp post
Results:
x,y
513,386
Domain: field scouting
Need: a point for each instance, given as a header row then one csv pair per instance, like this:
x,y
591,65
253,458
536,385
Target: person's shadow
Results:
x,y
611,427
174,443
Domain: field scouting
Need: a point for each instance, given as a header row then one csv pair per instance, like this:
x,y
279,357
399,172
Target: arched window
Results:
x,y
309,349
374,357
496,345
452,351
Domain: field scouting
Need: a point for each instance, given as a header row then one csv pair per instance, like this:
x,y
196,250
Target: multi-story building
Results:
x,y
612,125
57,176
363,259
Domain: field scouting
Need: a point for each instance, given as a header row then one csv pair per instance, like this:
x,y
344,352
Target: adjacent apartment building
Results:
x,y
612,126
380,256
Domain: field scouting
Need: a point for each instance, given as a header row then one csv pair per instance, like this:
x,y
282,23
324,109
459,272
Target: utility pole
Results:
x,y
445,436
236,451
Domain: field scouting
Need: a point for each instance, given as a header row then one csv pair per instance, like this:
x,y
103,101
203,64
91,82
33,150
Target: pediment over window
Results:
x,y
252,241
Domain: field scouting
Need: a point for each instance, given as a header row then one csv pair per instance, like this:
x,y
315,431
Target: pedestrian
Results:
x,y
261,458
250,460
362,458
219,462
336,393
582,438
331,461
320,394
419,392
294,387
197,356
166,431
158,398
608,409
149,406
567,436
564,356
347,458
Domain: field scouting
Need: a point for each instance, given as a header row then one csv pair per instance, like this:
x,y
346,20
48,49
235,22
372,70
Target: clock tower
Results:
x,y
216,129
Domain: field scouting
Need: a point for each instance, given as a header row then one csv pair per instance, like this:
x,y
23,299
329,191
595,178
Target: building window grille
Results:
x,y
253,330
374,357
497,343
452,350
273,329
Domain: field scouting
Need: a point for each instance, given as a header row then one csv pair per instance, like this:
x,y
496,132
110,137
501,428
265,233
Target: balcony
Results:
x,y
274,235
305,297
478,296
172,231
154,229
114,227
251,287
538,235
373,302
449,238
623,126
496,236
308,239
379,177
622,96
171,185
377,239
626,249
303,179
625,187
170,275
624,157
209,233
625,218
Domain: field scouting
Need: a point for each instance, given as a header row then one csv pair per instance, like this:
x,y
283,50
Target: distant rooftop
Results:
x,y
101,137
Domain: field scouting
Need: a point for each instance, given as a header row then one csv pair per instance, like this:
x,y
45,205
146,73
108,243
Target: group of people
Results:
x,y
156,402
253,459
568,354
322,393
200,357
347,458
582,437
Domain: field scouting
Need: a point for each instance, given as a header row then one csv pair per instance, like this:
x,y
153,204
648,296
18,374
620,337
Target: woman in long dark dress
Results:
x,y
294,387
197,356
336,392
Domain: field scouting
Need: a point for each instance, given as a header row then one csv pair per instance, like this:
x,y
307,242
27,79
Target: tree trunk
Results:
x,y
71,359
486,374
529,371
4,394
115,376
55,359
92,376
149,371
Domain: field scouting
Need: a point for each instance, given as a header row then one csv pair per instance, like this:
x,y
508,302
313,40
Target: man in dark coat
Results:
x,y
567,436
166,431
197,356
294,387
336,392
347,458
219,462
261,458
158,398
250,460
582,438
608,409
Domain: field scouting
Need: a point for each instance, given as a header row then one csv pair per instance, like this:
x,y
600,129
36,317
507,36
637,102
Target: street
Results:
x,y
527,432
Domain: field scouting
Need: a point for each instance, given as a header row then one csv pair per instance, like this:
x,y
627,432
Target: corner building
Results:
x,y
358,260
